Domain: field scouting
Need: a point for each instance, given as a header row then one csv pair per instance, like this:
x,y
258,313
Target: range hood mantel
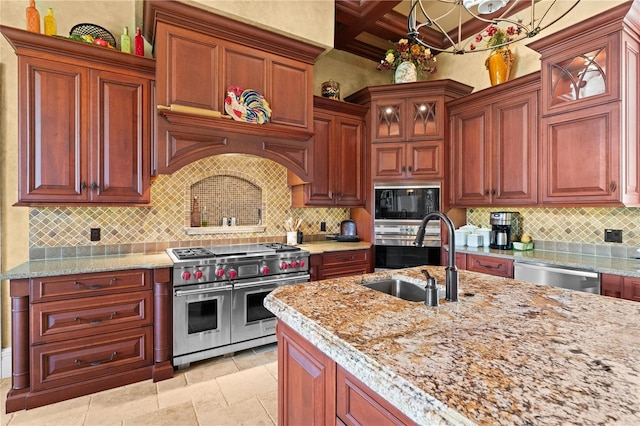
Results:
x,y
199,55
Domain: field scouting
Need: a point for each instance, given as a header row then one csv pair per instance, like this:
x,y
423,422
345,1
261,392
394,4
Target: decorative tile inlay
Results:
x,y
229,184
571,225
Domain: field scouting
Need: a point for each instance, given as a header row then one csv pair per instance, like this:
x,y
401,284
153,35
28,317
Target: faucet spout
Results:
x,y
451,271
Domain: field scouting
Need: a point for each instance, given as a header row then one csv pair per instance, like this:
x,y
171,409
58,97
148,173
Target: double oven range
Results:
x,y
219,292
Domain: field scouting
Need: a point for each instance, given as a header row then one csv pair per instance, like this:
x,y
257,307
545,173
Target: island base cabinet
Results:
x,y
620,287
359,405
306,381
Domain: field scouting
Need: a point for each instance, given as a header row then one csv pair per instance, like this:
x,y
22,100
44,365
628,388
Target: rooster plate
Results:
x,y
246,105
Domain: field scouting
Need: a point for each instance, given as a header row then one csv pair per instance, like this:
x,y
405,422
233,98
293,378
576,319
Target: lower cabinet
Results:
x,y
620,287
78,334
338,264
314,390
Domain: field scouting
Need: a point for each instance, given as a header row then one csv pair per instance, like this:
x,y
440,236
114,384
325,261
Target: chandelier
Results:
x,y
484,16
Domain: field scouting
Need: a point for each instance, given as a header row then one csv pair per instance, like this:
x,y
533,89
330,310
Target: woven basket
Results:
x,y
94,31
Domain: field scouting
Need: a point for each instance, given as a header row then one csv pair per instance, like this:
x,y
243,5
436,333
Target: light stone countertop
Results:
x,y
513,353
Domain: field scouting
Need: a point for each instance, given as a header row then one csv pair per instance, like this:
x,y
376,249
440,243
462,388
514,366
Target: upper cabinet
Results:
x,y
494,142
407,127
84,122
590,132
338,158
199,56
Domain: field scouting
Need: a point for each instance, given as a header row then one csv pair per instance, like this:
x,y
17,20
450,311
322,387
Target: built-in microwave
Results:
x,y
399,210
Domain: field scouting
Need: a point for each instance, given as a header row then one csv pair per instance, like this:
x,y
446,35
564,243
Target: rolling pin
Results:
x,y
192,110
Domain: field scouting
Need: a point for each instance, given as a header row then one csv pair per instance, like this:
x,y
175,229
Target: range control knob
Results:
x,y
284,265
294,264
301,263
198,274
186,275
264,270
219,272
233,274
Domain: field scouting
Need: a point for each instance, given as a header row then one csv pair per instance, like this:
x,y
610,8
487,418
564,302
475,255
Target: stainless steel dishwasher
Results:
x,y
556,276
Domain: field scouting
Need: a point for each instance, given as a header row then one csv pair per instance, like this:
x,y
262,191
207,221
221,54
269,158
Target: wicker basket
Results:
x,y
94,31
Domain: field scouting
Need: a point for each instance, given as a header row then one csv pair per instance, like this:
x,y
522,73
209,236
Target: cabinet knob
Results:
x,y
410,168
404,169
493,192
613,185
94,186
486,192
83,186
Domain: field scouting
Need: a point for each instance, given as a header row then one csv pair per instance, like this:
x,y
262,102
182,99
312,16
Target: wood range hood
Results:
x,y
199,54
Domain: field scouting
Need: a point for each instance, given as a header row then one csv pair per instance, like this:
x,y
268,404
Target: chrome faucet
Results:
x,y
451,269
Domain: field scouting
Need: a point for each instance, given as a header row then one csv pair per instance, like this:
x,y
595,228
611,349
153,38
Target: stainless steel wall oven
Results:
x,y
399,209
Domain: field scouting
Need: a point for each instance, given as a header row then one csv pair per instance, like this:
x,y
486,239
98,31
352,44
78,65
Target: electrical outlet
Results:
x,y
613,235
95,234
323,226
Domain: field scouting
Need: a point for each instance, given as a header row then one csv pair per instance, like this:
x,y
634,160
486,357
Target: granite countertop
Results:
x,y
81,265
513,353
602,264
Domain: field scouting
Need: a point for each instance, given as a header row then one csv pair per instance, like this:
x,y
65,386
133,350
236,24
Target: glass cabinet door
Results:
x,y
579,77
425,123
388,125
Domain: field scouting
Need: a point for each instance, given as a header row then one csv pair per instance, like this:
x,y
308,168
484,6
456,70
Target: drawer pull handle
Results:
x,y
95,321
94,363
498,266
95,286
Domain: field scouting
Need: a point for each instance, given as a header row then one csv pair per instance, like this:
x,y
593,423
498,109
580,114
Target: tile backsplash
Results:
x,y
224,179
575,225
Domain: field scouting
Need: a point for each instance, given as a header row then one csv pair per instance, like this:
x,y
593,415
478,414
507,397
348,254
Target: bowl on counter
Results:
x,y
517,245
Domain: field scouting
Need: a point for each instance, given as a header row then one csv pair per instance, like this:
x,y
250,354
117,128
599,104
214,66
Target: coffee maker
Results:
x,y
505,228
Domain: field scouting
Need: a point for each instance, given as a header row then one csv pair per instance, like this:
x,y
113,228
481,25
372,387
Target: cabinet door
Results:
x,y
320,191
388,161
306,381
470,158
388,120
53,117
121,165
631,289
425,118
425,160
348,154
515,143
581,156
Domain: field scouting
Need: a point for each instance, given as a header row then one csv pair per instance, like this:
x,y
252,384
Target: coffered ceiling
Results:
x,y
367,28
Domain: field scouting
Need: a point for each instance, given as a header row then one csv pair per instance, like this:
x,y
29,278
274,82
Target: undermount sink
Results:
x,y
402,289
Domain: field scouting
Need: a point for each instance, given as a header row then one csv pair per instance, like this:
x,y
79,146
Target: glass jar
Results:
x,y
331,90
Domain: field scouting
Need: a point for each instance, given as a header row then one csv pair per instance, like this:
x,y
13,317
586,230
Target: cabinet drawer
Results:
x,y
83,285
79,360
490,265
62,319
345,257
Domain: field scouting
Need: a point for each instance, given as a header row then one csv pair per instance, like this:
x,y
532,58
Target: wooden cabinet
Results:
x,y
357,404
620,287
494,142
84,119
338,264
590,106
498,266
79,334
407,126
338,158
306,381
314,390
200,55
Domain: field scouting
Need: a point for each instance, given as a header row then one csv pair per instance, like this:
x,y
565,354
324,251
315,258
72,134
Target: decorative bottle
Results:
x,y
33,17
125,41
195,213
139,43
50,23
204,219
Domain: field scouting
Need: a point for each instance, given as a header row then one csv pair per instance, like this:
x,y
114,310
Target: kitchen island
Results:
x,y
507,352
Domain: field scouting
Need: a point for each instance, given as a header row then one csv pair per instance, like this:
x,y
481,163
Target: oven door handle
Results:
x,y
202,290
282,281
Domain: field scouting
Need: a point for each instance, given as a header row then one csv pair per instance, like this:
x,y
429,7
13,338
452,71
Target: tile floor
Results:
x,y
233,390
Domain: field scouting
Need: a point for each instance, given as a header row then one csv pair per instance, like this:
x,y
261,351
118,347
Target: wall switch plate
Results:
x,y
613,235
95,234
323,226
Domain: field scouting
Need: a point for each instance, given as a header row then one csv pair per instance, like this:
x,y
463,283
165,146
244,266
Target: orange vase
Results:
x,y
33,17
499,65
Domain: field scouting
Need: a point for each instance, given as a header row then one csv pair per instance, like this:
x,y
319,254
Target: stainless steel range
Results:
x,y
219,292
